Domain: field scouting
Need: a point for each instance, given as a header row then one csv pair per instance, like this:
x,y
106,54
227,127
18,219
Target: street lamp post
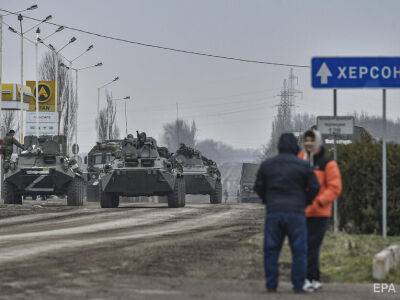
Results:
x,y
1,85
98,92
126,119
36,82
76,91
76,87
41,40
56,65
21,93
98,101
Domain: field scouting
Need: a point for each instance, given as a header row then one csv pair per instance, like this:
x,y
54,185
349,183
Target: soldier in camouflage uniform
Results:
x,y
9,142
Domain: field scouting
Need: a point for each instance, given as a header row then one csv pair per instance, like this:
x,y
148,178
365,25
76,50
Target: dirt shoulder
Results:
x,y
218,259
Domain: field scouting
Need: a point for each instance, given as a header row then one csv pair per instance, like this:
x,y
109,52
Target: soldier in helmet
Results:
x,y
9,142
128,140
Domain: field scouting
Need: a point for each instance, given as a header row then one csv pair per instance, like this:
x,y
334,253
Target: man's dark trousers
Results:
x,y
277,226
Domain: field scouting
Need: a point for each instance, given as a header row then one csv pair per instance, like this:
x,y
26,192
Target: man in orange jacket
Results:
x,y
320,210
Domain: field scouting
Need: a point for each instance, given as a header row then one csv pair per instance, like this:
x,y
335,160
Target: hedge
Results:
x,y
360,206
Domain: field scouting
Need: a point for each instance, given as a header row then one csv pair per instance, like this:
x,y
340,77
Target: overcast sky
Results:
x,y
230,101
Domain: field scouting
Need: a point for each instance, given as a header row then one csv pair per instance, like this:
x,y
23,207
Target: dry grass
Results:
x,y
345,257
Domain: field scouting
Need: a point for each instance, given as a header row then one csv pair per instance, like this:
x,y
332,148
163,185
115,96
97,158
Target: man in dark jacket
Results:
x,y
286,185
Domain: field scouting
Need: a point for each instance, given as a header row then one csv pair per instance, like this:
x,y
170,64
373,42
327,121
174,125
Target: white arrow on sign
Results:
x,y
324,73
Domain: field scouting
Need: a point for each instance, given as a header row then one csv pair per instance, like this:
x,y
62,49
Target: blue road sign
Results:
x,y
355,72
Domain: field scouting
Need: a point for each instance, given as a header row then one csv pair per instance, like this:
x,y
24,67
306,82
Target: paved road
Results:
x,y
140,251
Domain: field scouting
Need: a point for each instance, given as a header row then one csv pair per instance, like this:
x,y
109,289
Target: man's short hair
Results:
x,y
11,131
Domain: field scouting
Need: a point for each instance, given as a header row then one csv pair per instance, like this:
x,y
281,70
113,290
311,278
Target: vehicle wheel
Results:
x,y
75,192
10,194
109,200
177,197
216,194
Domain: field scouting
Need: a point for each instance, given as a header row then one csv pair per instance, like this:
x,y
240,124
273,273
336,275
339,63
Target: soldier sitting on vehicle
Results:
x,y
141,139
9,142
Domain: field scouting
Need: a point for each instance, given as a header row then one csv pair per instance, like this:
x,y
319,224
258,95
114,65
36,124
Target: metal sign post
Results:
x,y
384,167
335,206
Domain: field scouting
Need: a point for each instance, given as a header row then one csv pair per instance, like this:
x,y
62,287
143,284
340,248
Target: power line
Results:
x,y
199,53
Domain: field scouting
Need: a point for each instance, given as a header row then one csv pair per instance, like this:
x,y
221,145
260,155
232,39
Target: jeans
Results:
x,y
316,228
277,226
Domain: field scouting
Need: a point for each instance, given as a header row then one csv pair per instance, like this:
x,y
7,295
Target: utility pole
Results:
x,y
284,109
288,97
177,126
37,83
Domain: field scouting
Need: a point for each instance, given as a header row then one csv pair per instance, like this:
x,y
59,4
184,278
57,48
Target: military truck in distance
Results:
x,y
202,176
98,157
44,169
140,168
247,179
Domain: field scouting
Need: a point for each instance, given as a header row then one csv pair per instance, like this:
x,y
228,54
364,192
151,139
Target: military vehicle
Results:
x,y
202,176
140,168
99,156
247,179
41,170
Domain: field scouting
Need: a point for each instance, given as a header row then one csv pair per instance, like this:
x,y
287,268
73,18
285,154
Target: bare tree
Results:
x,y
106,118
178,132
67,104
224,153
374,125
272,148
7,121
299,123
303,122
101,124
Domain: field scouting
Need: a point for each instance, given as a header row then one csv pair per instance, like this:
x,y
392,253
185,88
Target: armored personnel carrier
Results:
x,y
44,169
140,168
98,157
201,174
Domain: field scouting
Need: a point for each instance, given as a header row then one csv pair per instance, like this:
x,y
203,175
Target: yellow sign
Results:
x,y
46,96
10,92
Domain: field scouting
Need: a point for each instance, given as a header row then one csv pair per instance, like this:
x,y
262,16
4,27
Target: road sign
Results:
x,y
355,72
335,126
